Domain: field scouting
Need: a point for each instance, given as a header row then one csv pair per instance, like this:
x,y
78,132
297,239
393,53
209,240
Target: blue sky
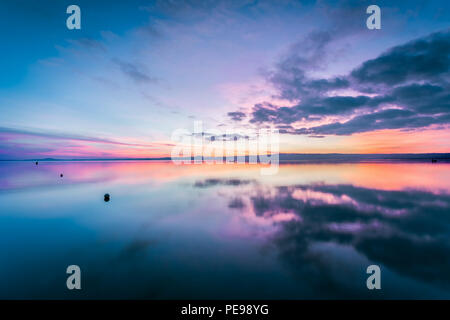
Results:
x,y
138,70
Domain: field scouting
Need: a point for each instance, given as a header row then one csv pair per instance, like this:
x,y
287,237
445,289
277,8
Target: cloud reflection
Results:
x,y
406,231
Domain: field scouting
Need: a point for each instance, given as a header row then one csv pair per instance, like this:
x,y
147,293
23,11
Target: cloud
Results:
x,y
66,136
26,143
426,58
237,116
137,74
406,87
290,76
88,43
314,108
386,119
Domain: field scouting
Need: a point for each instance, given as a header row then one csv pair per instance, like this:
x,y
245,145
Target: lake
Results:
x,y
224,231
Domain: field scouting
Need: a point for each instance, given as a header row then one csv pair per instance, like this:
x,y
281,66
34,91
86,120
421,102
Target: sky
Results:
x,y
137,71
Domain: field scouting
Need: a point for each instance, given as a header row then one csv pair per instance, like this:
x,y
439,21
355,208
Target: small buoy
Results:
x,y
106,197
61,175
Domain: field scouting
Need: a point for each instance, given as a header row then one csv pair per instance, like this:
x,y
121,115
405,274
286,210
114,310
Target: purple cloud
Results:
x,y
408,86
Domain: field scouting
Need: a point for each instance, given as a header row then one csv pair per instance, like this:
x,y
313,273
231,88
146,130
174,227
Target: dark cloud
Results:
x,y
408,85
136,73
236,116
386,119
314,109
424,98
425,58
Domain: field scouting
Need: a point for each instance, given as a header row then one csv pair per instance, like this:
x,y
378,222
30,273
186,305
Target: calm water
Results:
x,y
224,231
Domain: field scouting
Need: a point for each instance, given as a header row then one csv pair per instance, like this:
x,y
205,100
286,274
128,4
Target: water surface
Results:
x,y
224,231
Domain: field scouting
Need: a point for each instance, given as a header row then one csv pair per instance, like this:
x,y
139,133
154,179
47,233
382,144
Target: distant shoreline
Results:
x,y
289,158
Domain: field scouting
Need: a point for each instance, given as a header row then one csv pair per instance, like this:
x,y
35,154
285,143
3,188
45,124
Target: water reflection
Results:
x,y
221,231
406,231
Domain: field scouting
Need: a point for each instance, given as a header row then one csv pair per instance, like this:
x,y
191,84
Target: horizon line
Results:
x,y
375,156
